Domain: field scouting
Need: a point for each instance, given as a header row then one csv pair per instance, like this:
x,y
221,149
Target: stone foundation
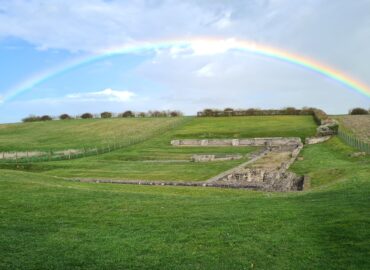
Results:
x,y
266,142
315,140
264,180
208,158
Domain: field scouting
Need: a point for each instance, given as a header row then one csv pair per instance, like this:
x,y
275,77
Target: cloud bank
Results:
x,y
104,95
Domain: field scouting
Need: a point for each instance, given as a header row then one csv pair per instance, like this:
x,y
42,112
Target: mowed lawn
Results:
x,y
157,159
49,223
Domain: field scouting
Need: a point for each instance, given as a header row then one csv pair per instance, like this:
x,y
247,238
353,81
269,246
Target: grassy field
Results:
x,y
357,125
248,127
77,134
131,163
49,223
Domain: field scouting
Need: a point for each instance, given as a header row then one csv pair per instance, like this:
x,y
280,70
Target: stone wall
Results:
x,y
271,142
268,179
315,140
275,180
207,158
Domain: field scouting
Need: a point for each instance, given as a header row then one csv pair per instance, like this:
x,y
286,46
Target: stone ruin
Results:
x,y
208,158
328,127
267,142
265,171
267,180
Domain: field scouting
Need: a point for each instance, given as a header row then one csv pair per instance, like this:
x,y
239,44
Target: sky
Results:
x,y
38,37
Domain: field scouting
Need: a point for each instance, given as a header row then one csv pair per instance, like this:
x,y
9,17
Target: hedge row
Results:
x,y
156,113
317,113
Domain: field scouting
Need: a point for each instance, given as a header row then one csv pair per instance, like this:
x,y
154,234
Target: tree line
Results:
x,y
283,111
87,115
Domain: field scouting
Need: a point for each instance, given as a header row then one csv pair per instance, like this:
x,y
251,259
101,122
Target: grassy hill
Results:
x,y
76,134
248,127
131,162
47,222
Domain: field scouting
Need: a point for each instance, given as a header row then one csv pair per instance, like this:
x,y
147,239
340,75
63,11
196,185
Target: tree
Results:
x,y
31,118
176,113
358,111
128,114
86,116
228,112
208,112
106,115
46,118
290,110
64,116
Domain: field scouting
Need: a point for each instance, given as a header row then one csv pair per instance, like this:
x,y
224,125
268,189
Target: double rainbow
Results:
x,y
197,46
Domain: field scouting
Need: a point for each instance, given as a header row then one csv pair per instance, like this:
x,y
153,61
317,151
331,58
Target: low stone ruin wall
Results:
x,y
315,140
268,179
264,180
17,155
272,142
207,158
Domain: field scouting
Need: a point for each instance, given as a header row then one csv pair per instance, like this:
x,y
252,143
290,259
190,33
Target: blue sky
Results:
x,y
36,36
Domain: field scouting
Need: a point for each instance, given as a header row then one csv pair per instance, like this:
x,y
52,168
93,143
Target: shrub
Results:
x,y
106,115
31,118
128,114
208,112
358,111
176,113
290,111
46,118
157,113
319,116
64,116
228,112
86,116
141,114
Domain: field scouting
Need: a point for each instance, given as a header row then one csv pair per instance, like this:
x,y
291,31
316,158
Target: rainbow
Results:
x,y
198,46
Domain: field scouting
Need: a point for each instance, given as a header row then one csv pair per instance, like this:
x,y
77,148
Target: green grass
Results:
x,y
48,223
330,162
248,127
77,134
129,162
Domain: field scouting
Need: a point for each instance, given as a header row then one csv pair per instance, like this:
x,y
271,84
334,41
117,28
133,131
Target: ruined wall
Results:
x,y
268,179
273,141
315,140
264,180
206,158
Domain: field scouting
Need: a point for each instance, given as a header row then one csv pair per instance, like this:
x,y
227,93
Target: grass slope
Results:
x,y
131,162
76,134
248,127
48,223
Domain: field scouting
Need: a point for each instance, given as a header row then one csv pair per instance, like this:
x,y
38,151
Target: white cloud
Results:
x,y
208,47
206,71
104,95
333,32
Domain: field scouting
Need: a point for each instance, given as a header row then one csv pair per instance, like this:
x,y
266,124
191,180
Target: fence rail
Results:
x,y
353,141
